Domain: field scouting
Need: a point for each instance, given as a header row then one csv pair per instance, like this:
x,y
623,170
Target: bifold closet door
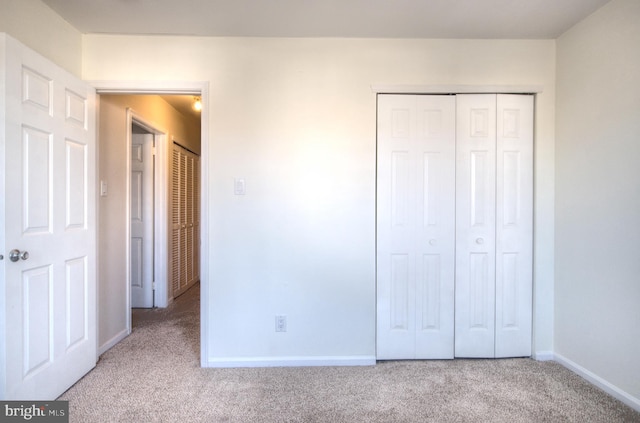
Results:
x,y
514,226
475,225
494,218
415,226
185,220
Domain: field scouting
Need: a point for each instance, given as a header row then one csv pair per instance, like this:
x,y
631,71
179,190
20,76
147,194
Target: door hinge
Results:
x,y
153,285
153,151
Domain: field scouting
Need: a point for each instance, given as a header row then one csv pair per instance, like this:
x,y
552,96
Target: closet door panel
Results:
x,y
514,225
416,144
434,233
396,220
475,225
182,188
176,258
185,220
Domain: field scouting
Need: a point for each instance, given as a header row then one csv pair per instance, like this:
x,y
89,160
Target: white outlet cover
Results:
x,y
281,323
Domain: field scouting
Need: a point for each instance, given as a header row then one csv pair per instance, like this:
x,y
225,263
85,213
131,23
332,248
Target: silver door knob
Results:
x,y
15,255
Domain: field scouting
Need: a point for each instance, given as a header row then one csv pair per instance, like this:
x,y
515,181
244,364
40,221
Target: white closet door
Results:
x,y
415,230
514,228
475,225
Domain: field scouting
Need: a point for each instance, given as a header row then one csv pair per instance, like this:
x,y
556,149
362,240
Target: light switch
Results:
x,y
238,186
103,188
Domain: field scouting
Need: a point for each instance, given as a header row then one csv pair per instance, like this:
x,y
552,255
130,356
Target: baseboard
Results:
x,y
111,342
226,362
609,388
543,355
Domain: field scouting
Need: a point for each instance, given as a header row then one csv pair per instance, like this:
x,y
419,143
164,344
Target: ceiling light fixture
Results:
x,y
197,104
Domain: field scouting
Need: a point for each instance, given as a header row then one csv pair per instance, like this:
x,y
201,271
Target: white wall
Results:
x,y
597,310
40,28
112,149
297,119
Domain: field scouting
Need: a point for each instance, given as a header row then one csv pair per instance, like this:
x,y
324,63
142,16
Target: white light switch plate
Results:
x,y
239,186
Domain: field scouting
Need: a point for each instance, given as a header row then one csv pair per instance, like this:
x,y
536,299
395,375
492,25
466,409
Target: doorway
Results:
x,y
115,298
142,216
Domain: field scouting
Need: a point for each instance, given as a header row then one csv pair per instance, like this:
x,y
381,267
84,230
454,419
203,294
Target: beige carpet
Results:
x,y
154,376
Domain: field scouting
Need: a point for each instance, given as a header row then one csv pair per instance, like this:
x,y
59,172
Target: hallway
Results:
x,y
186,306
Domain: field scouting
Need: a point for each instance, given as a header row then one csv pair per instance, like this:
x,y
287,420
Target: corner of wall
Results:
x,y
601,383
37,26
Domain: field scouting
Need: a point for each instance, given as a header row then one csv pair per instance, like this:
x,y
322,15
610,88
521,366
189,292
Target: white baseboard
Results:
x,y
226,362
543,355
609,388
111,342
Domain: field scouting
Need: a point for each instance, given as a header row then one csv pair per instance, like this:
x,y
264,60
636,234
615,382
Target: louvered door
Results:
x,y
185,220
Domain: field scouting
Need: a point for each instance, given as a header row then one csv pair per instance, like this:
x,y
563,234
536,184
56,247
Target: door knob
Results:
x,y
15,255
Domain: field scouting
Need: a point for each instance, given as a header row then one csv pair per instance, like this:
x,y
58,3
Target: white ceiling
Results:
x,y
518,19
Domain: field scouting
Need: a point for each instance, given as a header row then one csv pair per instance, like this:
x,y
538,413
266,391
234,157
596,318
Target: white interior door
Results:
x,y
514,225
142,214
415,229
49,316
475,225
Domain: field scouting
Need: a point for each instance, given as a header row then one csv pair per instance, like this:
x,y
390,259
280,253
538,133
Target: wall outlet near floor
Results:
x,y
281,323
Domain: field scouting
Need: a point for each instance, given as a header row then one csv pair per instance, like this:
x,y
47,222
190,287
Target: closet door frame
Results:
x,y
529,91
161,208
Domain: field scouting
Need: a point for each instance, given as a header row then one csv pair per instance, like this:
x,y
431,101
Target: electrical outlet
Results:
x,y
281,323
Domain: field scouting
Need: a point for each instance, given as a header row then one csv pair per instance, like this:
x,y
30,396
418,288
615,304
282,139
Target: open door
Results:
x,y
48,220
142,218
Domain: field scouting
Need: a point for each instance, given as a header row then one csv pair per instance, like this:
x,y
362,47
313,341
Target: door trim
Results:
x,y
160,213
455,89
187,88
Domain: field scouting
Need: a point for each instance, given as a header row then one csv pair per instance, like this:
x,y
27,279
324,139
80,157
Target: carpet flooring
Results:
x,y
154,375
